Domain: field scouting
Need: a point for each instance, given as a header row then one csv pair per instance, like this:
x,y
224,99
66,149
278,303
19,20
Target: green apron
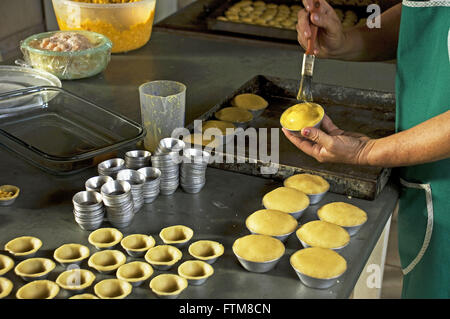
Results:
x,y
423,91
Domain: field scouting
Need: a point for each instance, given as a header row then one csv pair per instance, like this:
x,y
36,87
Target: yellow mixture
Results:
x,y
318,233
258,248
234,114
285,199
224,127
123,36
342,214
249,101
271,222
307,183
301,115
319,262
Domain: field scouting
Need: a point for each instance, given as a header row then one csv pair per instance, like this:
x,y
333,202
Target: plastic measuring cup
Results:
x,y
162,110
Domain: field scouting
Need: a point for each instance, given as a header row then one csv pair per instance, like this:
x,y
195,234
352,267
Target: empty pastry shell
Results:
x,y
6,264
135,272
163,257
105,238
178,236
106,261
84,296
75,280
39,289
168,286
5,287
34,268
11,197
206,250
23,247
136,245
196,272
113,289
71,254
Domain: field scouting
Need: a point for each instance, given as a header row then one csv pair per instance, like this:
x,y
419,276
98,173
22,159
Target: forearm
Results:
x,y
376,44
426,142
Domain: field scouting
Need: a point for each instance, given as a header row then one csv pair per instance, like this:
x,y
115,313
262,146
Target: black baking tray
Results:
x,y
365,111
61,132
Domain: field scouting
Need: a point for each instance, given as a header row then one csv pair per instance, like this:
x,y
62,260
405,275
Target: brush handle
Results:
x,y
314,29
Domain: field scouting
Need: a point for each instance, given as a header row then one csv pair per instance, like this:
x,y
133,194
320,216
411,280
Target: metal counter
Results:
x,y
211,69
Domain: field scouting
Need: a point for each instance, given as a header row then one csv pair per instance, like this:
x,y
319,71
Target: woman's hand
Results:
x,y
332,144
330,36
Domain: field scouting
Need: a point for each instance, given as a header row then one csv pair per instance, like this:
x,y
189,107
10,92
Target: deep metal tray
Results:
x,y
368,112
263,31
60,132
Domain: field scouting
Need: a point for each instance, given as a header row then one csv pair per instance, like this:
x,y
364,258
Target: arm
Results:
x,y
426,142
355,44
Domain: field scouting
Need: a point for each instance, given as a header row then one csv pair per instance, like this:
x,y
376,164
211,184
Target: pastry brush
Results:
x,y
305,91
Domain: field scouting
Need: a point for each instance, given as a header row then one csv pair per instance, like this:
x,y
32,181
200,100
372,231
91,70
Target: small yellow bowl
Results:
x,y
113,289
39,289
163,257
135,272
106,261
8,194
177,236
136,245
23,247
6,264
206,250
84,296
168,286
71,254
196,272
105,238
34,268
75,280
5,287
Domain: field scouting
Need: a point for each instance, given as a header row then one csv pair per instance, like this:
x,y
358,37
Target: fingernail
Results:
x,y
306,132
316,17
306,34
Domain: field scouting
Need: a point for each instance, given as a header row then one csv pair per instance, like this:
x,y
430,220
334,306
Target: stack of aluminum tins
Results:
x,y
94,184
88,209
111,167
137,159
193,170
167,160
152,183
136,181
119,203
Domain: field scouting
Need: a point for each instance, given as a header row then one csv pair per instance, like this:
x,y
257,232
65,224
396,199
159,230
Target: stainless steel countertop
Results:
x,y
210,69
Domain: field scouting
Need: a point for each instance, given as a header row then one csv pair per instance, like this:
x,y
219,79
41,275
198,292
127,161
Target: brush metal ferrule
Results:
x,y
308,64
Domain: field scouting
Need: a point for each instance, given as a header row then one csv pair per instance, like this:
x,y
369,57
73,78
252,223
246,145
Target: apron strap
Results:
x,y
429,230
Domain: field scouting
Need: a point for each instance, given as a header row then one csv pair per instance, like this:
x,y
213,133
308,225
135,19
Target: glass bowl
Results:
x,y
127,25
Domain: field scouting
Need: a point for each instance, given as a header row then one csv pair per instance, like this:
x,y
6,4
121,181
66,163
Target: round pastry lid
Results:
x,y
13,78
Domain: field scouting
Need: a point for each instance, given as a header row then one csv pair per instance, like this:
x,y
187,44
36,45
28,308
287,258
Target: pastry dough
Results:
x,y
105,237
6,264
168,284
75,279
113,289
199,139
5,287
134,272
258,248
319,262
342,214
71,253
222,126
318,233
271,222
39,289
302,115
249,101
206,249
234,115
23,246
307,183
176,234
285,199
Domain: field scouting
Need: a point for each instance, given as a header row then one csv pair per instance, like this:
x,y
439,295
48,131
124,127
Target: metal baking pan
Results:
x,y
264,31
365,111
60,132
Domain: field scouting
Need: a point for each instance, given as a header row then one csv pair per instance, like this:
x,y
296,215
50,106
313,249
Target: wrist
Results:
x,y
367,155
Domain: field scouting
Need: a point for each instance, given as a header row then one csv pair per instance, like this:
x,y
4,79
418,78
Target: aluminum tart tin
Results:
x,y
259,267
317,283
137,159
95,183
337,249
7,201
111,167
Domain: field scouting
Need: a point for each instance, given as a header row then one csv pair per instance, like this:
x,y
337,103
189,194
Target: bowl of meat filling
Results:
x,y
69,55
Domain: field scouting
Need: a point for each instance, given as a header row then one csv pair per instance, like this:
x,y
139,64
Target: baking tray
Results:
x,y
60,132
265,31
365,111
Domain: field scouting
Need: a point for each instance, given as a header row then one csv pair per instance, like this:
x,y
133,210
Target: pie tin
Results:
x,y
337,249
352,230
259,267
169,144
9,200
298,133
111,167
95,183
282,238
89,210
296,214
317,283
316,198
137,159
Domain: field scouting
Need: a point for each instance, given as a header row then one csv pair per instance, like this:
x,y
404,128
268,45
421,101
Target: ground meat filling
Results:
x,y
65,42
